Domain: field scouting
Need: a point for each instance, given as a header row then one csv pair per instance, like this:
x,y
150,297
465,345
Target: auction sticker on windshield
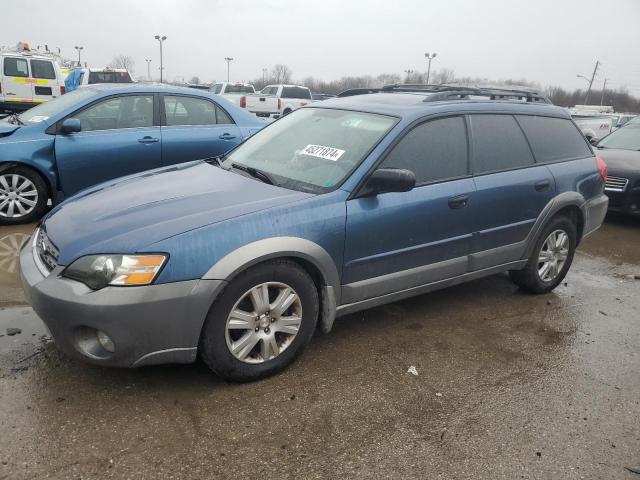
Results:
x,y
328,153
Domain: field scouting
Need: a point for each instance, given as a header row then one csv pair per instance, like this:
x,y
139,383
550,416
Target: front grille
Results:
x,y
46,251
616,184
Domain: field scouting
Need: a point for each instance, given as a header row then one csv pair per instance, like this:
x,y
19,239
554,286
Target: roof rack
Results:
x,y
439,93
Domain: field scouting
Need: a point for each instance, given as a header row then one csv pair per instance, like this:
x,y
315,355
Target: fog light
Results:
x,y
105,341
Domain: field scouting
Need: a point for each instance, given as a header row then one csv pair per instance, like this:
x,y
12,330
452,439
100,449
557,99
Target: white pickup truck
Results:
x,y
275,101
232,91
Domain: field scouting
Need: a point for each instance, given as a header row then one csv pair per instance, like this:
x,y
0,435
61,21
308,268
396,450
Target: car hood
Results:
x,y
620,160
130,213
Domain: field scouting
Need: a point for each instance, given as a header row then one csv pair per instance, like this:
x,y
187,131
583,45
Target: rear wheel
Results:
x,y
261,322
550,259
23,196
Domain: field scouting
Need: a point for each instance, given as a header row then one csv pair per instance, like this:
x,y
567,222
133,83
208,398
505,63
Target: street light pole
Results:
x,y
160,40
593,76
78,49
429,57
228,60
148,60
408,72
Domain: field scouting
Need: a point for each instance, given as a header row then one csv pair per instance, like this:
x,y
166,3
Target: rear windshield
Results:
x,y
239,89
109,77
42,69
296,92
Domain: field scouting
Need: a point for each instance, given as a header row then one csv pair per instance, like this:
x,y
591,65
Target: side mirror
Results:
x,y
71,125
386,180
594,141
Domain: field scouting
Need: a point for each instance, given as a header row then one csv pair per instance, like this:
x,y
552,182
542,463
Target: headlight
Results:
x,y
98,271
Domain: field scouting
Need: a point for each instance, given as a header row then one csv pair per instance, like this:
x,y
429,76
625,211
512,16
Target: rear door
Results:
x,y
16,84
120,136
511,189
400,240
194,128
45,84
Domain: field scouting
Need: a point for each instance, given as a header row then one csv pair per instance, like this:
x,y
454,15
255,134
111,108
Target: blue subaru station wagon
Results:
x,y
340,206
101,132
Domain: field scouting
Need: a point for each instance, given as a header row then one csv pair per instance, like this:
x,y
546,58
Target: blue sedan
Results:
x,y
98,133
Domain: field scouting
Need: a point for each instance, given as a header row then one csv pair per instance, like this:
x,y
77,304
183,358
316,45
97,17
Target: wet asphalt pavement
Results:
x,y
508,385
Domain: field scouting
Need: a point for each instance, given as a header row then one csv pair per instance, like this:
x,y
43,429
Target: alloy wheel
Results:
x,y
18,195
263,322
553,255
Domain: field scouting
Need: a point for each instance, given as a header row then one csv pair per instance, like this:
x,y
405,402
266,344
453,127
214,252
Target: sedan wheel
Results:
x,y
18,196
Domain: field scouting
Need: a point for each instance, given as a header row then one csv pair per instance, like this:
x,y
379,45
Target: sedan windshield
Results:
x,y
312,149
48,109
626,138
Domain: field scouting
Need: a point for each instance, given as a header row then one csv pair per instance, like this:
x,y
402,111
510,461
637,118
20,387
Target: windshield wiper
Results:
x,y
217,161
15,119
254,172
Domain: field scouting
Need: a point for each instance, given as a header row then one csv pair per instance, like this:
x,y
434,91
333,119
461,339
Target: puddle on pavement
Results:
x,y
32,329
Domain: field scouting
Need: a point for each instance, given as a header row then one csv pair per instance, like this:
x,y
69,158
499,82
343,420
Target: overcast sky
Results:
x,y
547,41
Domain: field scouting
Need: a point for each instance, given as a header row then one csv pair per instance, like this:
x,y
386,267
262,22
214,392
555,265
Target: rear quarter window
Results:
x,y
498,144
554,139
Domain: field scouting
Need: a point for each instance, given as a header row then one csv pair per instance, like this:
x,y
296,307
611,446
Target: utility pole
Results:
x,y
228,60
148,60
79,49
160,40
604,87
593,76
429,58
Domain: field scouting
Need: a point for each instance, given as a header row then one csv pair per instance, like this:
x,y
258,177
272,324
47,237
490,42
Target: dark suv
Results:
x,y
343,205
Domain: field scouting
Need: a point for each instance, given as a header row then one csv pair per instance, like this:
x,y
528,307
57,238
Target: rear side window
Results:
x,y
16,67
193,111
498,144
295,92
433,151
42,69
553,139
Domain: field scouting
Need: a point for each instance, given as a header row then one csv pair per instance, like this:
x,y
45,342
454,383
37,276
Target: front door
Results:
x,y
396,241
119,137
195,128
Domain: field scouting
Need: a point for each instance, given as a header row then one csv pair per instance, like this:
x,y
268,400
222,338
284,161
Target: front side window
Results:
x,y
498,144
193,111
435,150
42,69
312,149
44,111
130,111
16,67
553,139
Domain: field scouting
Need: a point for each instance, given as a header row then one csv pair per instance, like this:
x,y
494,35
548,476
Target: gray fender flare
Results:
x,y
277,247
565,199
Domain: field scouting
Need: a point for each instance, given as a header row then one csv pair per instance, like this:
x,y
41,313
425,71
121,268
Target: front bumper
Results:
x,y
148,325
626,202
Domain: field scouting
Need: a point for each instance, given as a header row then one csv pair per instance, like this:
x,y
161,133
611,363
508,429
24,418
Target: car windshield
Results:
x,y
51,108
312,149
626,138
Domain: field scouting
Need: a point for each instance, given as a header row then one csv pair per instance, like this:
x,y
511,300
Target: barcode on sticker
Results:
x,y
328,153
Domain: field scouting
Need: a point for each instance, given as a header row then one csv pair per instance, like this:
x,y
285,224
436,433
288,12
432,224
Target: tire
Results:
x,y
23,196
253,328
286,112
533,278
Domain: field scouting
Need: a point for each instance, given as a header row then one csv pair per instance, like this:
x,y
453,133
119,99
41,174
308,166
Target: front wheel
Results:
x,y
261,322
550,259
23,196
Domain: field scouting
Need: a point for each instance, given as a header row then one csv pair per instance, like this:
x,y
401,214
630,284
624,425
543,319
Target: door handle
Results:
x,y
542,185
226,136
148,139
458,201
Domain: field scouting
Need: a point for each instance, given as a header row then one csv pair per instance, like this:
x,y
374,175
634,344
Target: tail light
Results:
x,y
279,104
602,168
243,102
63,89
